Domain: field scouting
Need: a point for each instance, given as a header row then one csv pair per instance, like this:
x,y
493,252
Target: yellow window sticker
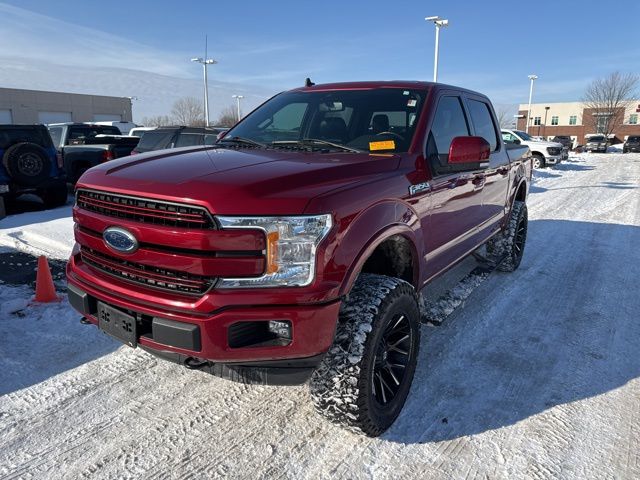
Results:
x,y
384,145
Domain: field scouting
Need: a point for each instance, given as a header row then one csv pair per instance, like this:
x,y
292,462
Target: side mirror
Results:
x,y
468,150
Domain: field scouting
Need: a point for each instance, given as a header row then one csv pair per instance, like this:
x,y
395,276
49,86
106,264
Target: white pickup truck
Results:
x,y
543,153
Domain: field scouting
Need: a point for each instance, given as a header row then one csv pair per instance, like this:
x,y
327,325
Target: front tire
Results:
x,y
539,161
365,377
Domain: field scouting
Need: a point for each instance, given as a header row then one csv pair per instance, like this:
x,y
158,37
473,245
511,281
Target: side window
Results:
x,y
508,138
189,139
483,122
449,122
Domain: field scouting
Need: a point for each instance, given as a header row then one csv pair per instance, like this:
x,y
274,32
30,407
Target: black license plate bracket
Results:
x,y
117,324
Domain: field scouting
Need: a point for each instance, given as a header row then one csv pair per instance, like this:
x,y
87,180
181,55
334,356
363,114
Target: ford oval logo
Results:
x,y
120,240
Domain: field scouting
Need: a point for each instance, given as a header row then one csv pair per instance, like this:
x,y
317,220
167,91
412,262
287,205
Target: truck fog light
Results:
x,y
281,328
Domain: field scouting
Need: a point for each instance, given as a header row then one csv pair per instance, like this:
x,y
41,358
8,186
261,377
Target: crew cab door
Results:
x,y
456,190
496,185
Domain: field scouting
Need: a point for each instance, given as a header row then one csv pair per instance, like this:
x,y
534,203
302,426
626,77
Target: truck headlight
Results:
x,y
291,249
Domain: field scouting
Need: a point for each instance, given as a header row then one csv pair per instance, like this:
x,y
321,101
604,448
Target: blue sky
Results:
x,y
264,47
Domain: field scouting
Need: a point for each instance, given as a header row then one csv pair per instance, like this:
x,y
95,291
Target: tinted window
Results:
x,y
508,137
155,140
77,133
483,122
189,139
633,139
449,122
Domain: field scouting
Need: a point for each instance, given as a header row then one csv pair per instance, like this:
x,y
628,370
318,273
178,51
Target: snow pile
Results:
x,y
49,232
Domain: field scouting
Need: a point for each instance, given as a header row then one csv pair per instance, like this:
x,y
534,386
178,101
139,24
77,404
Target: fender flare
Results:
x,y
381,236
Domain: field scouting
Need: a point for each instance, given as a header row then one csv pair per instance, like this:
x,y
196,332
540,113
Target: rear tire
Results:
x,y
510,244
365,377
539,161
27,164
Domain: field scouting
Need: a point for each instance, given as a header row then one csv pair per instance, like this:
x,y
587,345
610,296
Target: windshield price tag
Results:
x,y
384,145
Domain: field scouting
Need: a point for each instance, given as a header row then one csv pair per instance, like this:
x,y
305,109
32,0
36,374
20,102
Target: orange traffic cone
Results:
x,y
45,290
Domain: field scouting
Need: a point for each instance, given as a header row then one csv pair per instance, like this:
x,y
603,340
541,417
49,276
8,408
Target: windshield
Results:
x,y
382,119
524,136
633,139
599,138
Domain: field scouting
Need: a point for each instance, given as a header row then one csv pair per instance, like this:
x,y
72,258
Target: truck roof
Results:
x,y
408,84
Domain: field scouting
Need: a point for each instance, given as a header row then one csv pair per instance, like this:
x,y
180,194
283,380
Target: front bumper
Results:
x,y
555,159
203,342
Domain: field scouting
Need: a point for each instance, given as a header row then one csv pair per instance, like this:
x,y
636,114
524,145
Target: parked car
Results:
x,y
29,164
631,144
295,247
139,131
596,143
544,153
94,151
565,140
161,138
124,127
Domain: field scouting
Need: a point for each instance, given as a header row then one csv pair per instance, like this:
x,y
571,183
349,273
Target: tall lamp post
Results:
x,y
544,130
205,62
238,98
533,78
439,23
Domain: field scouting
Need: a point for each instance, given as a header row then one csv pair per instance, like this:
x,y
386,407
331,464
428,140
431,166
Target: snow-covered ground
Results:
x,y
534,375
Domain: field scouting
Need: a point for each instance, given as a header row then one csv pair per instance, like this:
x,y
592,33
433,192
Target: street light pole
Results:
x,y
205,62
546,112
532,78
238,98
439,23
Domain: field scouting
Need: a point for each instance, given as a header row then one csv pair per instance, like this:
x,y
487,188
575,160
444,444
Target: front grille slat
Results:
x,y
153,277
143,210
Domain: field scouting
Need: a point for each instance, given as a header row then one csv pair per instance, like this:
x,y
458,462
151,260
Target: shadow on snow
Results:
x,y
562,328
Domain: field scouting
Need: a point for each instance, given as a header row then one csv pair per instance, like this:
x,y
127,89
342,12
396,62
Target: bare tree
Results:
x,y
228,117
608,98
157,121
188,111
506,115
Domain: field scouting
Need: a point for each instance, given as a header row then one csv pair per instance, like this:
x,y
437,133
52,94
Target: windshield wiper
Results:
x,y
246,141
316,141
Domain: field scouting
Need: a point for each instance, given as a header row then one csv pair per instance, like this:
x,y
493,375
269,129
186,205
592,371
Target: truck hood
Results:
x,y
237,181
543,144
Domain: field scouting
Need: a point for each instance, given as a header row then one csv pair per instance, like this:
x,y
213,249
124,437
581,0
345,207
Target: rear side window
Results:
x,y
449,122
483,122
189,139
155,140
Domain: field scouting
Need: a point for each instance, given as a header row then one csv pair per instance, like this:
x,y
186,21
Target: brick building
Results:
x,y
573,119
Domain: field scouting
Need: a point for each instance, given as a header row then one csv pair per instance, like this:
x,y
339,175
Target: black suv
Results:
x,y
29,164
565,140
175,137
631,144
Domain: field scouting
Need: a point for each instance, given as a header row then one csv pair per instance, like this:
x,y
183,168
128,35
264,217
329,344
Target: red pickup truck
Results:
x,y
296,246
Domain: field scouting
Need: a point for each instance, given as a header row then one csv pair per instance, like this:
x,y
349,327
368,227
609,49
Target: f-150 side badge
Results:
x,y
419,187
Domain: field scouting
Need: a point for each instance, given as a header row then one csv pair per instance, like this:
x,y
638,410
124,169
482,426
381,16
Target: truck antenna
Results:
x,y
308,82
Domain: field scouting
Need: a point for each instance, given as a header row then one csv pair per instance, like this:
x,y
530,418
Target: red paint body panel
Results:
x,y
371,197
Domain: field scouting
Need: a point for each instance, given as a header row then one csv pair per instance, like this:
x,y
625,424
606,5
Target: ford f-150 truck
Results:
x,y
294,248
